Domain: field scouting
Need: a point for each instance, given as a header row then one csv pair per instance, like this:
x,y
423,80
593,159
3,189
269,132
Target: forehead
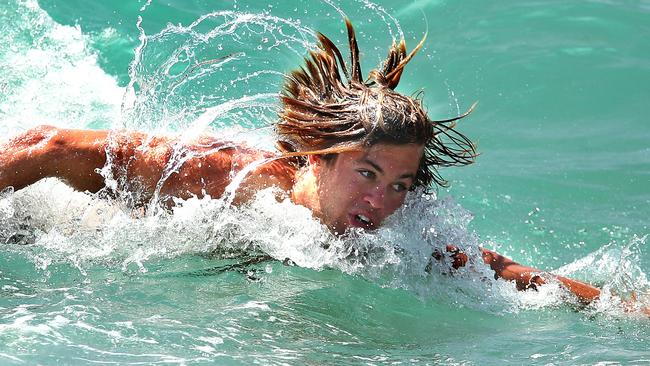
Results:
x,y
394,159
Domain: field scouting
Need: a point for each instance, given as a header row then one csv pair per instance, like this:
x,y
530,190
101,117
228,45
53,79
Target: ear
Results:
x,y
315,162
314,159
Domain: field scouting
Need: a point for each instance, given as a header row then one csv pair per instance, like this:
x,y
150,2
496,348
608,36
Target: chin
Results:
x,y
339,230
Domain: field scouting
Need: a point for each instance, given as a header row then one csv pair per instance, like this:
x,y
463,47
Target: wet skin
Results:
x,y
139,161
353,189
362,188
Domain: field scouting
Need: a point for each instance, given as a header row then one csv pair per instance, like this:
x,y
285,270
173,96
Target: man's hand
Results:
x,y
459,259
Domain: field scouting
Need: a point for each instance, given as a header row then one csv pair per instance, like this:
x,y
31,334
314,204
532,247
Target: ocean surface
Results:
x,y
562,184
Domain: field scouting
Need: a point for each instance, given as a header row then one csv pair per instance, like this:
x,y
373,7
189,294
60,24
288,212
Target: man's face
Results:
x,y
361,189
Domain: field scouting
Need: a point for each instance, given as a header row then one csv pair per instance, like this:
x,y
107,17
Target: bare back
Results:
x,y
140,163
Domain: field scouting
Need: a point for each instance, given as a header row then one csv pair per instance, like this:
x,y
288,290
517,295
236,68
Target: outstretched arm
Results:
x,y
45,151
527,277
523,276
141,162
75,156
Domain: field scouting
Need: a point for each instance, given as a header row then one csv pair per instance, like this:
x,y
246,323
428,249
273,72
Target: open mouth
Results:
x,y
361,220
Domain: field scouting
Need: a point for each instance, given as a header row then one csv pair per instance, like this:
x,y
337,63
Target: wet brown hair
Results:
x,y
322,114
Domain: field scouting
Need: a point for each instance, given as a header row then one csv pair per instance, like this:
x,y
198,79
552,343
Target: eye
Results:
x,y
367,173
400,187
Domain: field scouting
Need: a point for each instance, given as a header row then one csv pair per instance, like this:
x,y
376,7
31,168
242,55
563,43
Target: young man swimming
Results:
x,y
349,150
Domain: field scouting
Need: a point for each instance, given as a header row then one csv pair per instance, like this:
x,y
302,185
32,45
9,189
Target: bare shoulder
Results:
x,y
210,164
276,173
140,162
268,170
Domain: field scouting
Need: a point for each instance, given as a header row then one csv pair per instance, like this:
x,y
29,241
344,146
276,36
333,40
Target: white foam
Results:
x,y
83,230
56,80
52,76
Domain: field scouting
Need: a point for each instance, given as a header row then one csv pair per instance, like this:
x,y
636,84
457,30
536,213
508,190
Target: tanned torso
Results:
x,y
140,163
148,165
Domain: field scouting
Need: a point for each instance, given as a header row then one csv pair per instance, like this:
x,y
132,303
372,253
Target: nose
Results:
x,y
375,196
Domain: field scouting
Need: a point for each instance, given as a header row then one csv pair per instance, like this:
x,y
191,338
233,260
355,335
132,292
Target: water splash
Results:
x,y
222,70
220,74
84,231
50,74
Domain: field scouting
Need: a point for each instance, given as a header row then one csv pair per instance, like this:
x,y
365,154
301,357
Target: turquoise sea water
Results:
x,y
562,183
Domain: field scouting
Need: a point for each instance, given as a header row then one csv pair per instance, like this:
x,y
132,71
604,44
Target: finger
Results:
x,y
452,248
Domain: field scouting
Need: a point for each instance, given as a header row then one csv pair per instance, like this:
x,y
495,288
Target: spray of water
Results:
x,y
188,78
45,73
84,230
220,75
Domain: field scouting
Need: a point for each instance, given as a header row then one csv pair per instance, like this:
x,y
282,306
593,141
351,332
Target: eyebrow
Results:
x,y
380,170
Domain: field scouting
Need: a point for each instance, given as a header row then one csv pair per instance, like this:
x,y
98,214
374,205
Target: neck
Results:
x,y
305,190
